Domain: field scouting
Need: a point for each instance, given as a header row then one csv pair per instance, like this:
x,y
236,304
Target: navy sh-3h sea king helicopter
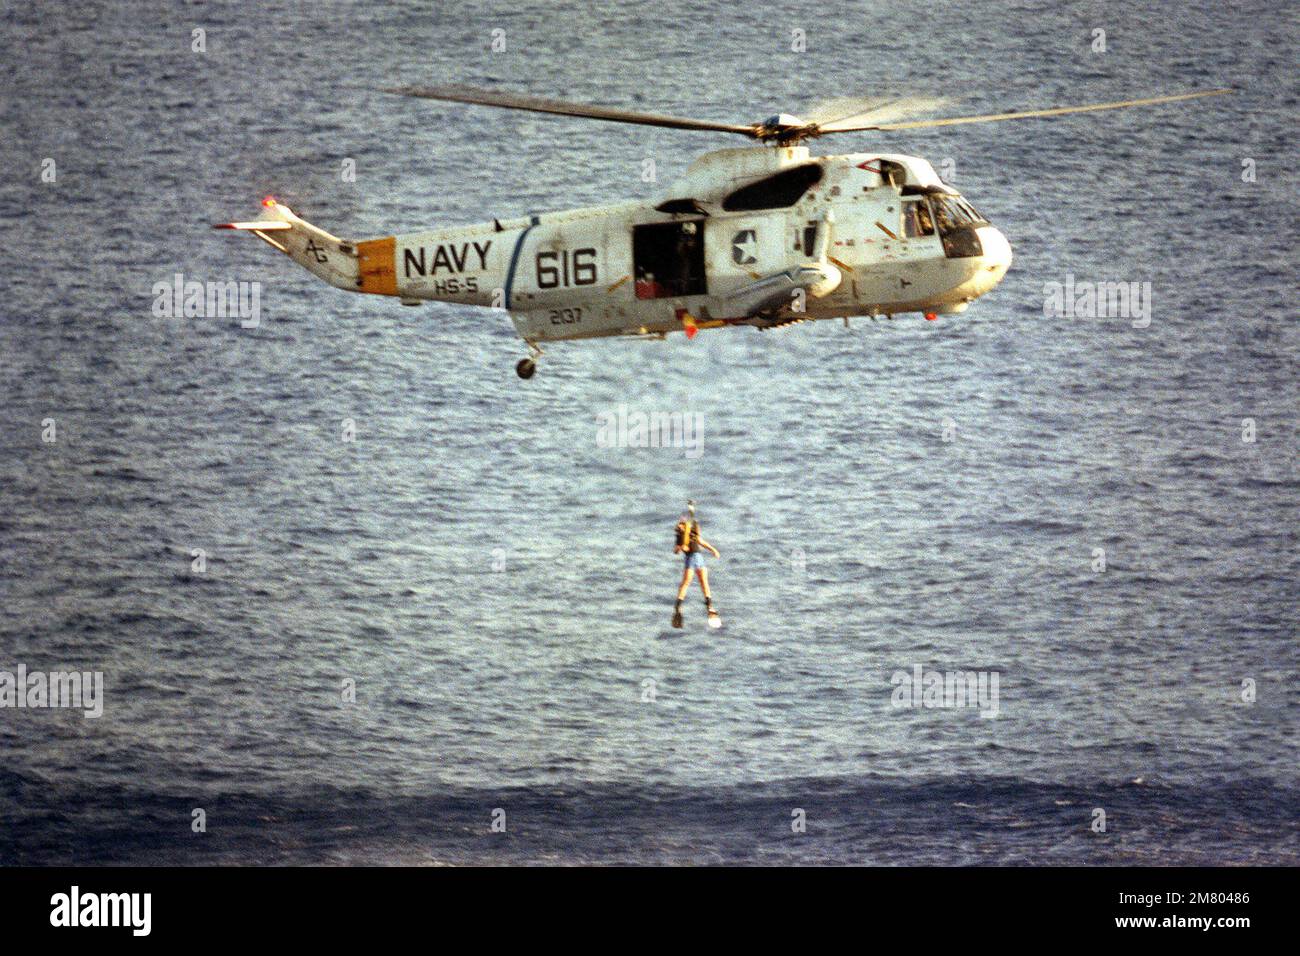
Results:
x,y
762,236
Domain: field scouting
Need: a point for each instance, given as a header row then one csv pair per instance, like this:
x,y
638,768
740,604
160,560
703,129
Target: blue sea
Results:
x,y
358,594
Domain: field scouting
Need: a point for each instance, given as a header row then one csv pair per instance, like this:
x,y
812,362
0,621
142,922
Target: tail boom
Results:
x,y
326,256
469,265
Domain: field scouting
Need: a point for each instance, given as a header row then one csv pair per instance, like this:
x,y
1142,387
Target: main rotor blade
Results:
x,y
1059,111
538,104
835,113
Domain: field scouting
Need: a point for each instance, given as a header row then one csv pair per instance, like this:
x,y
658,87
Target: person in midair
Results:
x,y
691,544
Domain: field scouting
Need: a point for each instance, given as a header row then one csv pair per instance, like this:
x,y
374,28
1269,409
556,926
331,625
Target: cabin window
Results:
x,y
777,191
916,219
809,238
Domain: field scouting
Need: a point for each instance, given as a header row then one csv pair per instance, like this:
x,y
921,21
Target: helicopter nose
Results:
x,y
997,254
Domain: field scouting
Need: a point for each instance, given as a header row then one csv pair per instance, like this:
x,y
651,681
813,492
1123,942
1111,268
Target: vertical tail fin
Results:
x,y
328,257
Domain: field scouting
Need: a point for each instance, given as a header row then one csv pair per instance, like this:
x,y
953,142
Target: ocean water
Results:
x,y
493,586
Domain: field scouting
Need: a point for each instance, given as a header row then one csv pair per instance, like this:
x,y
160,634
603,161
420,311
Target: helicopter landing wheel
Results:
x,y
526,368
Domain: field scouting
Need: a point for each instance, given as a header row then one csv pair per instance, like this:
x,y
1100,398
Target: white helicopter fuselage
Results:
x,y
761,236
758,236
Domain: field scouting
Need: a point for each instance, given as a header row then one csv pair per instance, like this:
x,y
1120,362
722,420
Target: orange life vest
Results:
x,y
688,536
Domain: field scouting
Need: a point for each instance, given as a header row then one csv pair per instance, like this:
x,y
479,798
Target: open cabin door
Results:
x,y
668,259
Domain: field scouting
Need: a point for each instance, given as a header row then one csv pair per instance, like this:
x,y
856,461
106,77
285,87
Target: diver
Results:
x,y
692,544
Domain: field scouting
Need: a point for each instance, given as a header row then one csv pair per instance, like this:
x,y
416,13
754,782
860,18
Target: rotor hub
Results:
x,y
784,129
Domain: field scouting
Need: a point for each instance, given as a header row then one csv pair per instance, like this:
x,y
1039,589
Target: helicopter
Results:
x,y
763,236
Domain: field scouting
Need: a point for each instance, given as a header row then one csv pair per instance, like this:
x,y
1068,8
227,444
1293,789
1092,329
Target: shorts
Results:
x,y
694,560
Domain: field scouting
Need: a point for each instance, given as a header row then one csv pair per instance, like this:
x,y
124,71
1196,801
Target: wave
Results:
x,y
858,820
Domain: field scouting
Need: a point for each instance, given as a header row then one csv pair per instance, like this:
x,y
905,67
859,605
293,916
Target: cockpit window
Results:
x,y
971,209
955,210
892,173
958,225
777,191
952,211
916,219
